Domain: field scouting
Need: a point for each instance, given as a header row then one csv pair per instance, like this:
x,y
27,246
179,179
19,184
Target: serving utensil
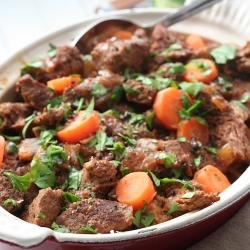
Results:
x,y
90,36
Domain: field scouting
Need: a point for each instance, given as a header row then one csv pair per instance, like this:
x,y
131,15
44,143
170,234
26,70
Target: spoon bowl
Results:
x,y
99,30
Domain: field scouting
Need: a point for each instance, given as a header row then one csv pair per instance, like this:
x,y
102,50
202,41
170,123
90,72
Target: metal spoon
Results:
x,y
91,35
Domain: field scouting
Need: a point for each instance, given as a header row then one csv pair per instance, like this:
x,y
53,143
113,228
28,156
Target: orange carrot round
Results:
x,y
212,179
193,129
195,42
59,84
2,148
203,70
167,104
79,128
123,34
134,188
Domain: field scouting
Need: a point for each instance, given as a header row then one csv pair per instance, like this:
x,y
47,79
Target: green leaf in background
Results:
x,y
168,3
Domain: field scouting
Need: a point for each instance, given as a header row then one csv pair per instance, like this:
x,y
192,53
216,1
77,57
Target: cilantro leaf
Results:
x,y
149,119
71,197
19,182
191,88
98,89
74,178
148,220
89,229
173,208
41,174
101,138
8,201
52,51
129,90
89,110
223,53
58,228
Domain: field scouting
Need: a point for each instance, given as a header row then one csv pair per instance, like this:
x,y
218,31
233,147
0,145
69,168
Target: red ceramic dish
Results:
x,y
190,228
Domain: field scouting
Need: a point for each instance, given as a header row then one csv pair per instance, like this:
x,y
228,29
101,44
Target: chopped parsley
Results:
x,y
71,197
145,220
58,228
98,89
28,121
52,51
88,229
168,159
41,215
191,88
10,201
223,53
173,208
74,178
13,148
19,182
129,90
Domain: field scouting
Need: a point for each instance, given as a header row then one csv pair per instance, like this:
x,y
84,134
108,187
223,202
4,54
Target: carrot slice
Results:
x,y
193,129
79,128
123,34
203,70
60,84
212,179
134,188
167,104
2,148
195,42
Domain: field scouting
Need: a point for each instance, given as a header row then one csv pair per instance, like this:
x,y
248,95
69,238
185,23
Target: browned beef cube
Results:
x,y
8,192
33,92
49,118
44,208
13,115
117,55
102,215
28,148
91,87
173,194
98,177
67,61
142,94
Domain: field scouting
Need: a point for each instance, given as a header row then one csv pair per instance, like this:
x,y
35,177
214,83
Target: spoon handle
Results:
x,y
187,11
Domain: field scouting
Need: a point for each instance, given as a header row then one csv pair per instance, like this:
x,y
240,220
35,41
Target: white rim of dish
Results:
x,y
27,234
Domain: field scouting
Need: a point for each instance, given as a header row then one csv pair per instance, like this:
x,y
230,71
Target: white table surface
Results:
x,y
24,21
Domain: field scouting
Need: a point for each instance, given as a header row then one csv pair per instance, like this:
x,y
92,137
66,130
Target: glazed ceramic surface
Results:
x,y
191,227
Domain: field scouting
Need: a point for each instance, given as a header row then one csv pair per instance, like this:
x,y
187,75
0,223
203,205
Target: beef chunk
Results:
x,y
67,61
28,148
116,55
13,115
142,94
161,38
229,128
243,59
49,117
99,177
164,70
149,155
102,215
8,192
114,125
33,92
88,152
92,87
44,208
173,194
